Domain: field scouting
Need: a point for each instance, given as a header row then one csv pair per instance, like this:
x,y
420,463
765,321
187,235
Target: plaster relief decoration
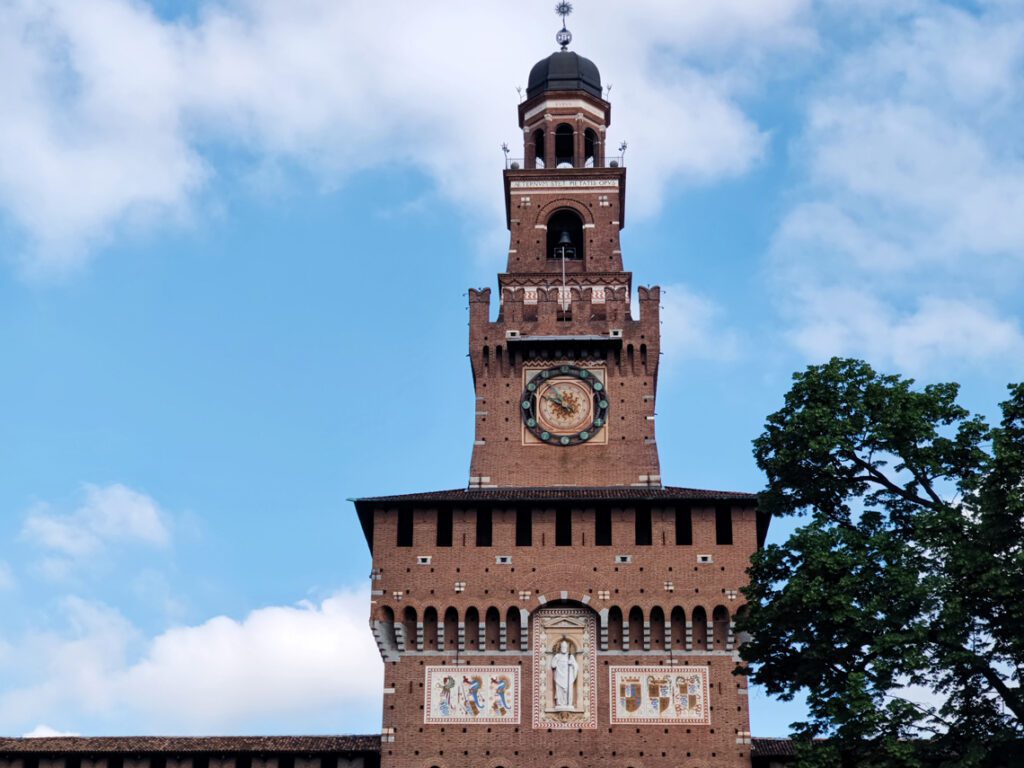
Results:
x,y
564,668
659,696
471,696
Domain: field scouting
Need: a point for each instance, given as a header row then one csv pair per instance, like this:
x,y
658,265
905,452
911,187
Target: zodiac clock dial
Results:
x,y
564,405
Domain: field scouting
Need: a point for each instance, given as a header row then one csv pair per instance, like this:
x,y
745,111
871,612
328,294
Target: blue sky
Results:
x,y
237,235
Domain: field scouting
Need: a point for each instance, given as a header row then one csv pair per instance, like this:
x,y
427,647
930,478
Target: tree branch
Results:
x,y
877,477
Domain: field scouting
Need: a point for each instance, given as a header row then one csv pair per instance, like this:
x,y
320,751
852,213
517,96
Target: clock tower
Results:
x,y
566,377
564,608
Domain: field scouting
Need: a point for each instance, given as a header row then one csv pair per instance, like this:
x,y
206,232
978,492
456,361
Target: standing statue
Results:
x,y
566,669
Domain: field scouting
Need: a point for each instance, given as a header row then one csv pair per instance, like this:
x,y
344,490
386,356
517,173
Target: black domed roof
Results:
x,y
564,71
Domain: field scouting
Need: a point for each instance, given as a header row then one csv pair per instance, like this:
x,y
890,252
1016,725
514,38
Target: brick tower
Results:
x,y
566,608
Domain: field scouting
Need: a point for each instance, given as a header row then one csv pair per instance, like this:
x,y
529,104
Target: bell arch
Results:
x,y
565,235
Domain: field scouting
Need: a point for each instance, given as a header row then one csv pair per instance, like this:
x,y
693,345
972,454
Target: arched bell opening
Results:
x,y
539,150
565,235
590,149
565,155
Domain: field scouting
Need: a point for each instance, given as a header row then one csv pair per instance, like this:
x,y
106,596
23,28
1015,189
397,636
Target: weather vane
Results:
x,y
564,36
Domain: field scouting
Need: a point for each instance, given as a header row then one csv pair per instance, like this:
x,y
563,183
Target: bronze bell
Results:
x,y
564,248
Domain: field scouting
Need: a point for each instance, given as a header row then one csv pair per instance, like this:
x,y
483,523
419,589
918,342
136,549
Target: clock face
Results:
x,y
564,405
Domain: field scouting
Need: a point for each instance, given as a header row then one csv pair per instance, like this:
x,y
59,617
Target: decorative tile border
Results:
x,y
471,695
658,696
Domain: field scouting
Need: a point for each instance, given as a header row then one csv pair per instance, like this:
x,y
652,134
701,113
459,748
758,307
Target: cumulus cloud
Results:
x,y
114,116
43,731
914,201
693,327
109,515
217,676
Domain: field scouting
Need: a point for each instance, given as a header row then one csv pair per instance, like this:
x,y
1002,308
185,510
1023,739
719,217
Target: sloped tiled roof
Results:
x,y
183,744
772,748
642,493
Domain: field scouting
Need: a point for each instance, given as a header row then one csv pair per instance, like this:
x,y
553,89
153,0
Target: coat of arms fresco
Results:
x,y
659,695
471,695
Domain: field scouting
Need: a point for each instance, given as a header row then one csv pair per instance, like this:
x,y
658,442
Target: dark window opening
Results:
x,y
538,147
723,525
564,140
524,527
565,235
563,528
590,148
483,528
444,527
643,527
405,527
603,528
684,527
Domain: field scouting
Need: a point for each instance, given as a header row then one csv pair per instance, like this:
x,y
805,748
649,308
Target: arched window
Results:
x,y
590,148
564,140
451,629
538,147
678,628
657,629
700,629
615,629
493,630
472,629
720,620
430,629
409,623
636,628
565,235
513,630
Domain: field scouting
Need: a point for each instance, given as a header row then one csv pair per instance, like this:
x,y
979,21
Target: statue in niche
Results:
x,y
565,670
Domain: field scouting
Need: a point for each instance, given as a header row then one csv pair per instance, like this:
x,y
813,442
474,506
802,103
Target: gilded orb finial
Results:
x,y
564,36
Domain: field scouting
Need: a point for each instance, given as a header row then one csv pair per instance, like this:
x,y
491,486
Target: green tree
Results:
x,y
909,571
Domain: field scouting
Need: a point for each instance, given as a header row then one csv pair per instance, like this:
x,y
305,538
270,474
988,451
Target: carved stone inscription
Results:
x,y
564,668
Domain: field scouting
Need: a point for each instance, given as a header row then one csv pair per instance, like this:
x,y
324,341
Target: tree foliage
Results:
x,y
898,607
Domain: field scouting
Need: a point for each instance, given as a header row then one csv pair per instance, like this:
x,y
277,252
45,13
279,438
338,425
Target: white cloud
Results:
x,y
43,731
215,677
113,115
693,327
856,323
110,514
914,202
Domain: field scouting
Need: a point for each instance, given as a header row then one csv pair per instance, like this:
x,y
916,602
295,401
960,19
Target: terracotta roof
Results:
x,y
175,744
772,748
611,493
